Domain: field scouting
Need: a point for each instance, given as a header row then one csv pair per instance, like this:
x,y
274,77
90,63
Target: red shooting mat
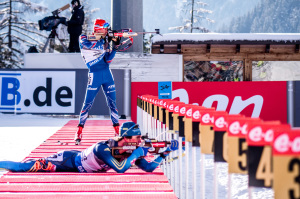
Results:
x,y
134,183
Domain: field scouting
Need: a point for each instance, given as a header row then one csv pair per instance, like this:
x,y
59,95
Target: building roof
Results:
x,y
227,38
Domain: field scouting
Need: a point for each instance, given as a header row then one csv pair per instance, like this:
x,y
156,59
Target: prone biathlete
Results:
x,y
98,55
96,158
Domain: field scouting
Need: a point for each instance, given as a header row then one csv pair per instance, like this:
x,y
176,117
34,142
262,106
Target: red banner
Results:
x,y
267,100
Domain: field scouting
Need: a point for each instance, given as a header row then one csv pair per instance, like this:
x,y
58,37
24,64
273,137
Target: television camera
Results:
x,y
50,23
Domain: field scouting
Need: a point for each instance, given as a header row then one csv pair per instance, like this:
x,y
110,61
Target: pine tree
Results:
x,y
88,17
194,16
16,32
270,16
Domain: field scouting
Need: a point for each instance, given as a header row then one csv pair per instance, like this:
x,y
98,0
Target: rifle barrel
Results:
x,y
144,32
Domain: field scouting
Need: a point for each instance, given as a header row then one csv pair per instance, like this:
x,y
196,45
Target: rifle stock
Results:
x,y
153,144
95,37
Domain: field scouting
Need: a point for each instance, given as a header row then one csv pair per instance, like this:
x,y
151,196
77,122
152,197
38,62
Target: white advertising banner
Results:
x,y
37,91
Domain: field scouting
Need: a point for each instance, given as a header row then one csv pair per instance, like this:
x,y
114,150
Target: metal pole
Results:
x,y
250,192
149,118
144,122
215,180
229,186
172,164
139,117
194,172
180,169
167,137
187,159
202,175
177,154
290,103
163,137
127,92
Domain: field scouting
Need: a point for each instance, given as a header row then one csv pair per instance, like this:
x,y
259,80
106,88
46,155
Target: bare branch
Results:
x,y
23,40
29,31
26,36
4,3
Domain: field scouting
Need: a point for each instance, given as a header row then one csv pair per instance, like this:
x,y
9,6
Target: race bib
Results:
x,y
90,80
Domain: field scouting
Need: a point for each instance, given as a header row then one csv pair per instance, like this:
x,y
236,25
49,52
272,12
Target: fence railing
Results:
x,y
222,155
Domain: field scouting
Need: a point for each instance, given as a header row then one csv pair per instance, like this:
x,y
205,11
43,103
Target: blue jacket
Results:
x,y
98,158
76,21
94,54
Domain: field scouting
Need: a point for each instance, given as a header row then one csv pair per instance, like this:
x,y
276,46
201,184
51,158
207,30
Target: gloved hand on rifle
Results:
x,y
141,151
173,147
116,41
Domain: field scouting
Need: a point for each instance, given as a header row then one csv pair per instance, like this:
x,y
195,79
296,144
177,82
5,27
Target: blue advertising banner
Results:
x,y
164,90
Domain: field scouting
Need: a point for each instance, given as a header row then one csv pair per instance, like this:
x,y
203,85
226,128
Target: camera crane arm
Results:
x,y
59,10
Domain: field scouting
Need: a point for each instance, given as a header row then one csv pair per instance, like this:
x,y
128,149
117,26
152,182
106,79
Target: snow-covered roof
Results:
x,y
198,38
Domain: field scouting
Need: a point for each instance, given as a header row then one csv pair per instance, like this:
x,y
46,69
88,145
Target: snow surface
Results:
x,y
20,134
276,37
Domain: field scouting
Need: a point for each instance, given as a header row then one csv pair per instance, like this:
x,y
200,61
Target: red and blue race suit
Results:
x,y
96,158
97,58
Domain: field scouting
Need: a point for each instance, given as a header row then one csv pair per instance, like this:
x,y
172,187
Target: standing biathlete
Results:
x,y
97,56
96,158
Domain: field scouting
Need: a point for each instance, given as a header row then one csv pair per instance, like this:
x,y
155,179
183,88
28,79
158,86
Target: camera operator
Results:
x,y
75,25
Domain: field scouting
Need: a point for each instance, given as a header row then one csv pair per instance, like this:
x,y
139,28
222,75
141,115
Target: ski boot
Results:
x,y
78,135
117,129
42,165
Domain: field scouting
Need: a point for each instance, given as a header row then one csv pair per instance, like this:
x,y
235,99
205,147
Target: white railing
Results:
x,y
195,173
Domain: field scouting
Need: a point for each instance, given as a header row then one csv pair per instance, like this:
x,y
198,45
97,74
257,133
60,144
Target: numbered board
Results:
x,y
160,113
286,177
259,157
139,102
286,164
220,135
196,134
237,155
260,171
188,129
173,105
175,122
156,112
206,139
167,119
220,146
150,105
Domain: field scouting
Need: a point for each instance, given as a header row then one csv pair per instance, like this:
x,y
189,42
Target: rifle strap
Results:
x,y
125,45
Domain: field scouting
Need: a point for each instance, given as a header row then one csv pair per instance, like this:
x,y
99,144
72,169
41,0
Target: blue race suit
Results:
x,y
96,158
97,58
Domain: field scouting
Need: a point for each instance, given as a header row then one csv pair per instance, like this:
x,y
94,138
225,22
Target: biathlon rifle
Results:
x,y
125,33
153,144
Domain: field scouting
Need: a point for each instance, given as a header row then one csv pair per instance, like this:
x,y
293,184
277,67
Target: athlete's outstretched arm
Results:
x,y
86,44
148,166
103,152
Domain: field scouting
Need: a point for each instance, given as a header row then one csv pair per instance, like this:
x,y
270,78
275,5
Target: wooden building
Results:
x,y
246,47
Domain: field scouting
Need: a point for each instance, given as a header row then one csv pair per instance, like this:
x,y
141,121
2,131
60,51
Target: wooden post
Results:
x,y
247,70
